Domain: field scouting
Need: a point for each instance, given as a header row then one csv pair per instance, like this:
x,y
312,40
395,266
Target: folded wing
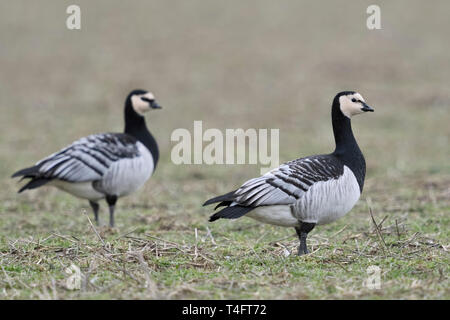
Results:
x,y
87,159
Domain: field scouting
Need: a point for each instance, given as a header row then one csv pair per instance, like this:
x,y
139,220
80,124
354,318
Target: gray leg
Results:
x,y
302,233
111,200
95,207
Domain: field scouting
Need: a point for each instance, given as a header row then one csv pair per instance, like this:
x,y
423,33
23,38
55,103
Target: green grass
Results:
x,y
208,61
155,253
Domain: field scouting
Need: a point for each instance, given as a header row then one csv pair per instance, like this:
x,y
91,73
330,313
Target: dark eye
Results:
x,y
354,100
146,99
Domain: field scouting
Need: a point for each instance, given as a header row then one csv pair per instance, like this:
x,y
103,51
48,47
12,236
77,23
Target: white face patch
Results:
x,y
350,108
139,105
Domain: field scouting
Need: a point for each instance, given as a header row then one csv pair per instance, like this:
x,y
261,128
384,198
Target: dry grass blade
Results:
x,y
95,230
397,229
378,231
209,234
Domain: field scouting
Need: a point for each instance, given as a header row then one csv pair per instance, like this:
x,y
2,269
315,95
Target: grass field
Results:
x,y
252,64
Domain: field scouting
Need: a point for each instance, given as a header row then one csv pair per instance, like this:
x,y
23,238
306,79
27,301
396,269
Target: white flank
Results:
x,y
83,190
127,175
327,201
280,215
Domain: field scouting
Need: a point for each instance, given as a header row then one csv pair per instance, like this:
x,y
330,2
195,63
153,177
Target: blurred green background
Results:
x,y
249,64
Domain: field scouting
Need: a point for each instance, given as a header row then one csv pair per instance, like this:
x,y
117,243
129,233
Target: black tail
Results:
x,y
27,172
223,198
33,173
232,212
34,183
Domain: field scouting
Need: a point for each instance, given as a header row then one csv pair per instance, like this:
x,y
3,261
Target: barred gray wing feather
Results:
x,y
287,183
89,158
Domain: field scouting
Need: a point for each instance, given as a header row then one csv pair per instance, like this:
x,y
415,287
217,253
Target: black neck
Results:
x,y
347,149
136,127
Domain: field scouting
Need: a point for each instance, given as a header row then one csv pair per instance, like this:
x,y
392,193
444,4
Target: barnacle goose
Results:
x,y
103,166
314,190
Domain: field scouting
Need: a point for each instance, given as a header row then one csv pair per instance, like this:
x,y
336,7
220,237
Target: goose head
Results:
x,y
351,103
142,101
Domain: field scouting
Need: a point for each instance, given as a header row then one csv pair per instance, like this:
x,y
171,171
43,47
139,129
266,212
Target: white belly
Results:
x,y
82,190
280,215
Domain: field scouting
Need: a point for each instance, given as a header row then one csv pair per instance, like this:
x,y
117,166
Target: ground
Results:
x,y
258,64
